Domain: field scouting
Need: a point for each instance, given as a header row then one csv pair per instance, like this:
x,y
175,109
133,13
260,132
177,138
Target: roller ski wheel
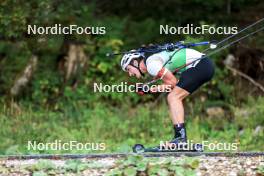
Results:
x,y
139,148
198,147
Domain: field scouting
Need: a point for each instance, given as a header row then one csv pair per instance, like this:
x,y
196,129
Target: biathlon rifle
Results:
x,y
165,47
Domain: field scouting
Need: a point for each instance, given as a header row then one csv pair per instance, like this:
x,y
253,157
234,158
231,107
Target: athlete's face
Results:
x,y
132,71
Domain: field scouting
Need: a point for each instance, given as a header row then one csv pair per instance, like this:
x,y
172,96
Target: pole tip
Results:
x,y
213,45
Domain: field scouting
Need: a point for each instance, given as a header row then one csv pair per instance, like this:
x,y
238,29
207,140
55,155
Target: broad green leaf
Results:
x,y
39,173
114,172
195,164
179,171
130,171
141,166
189,172
163,172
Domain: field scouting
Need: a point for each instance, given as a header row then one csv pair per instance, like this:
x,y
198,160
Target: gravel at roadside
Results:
x,y
231,166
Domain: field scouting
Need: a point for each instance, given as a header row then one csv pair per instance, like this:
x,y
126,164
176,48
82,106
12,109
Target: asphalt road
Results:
x,y
120,155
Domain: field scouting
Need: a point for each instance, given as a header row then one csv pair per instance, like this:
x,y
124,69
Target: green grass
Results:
x,y
121,127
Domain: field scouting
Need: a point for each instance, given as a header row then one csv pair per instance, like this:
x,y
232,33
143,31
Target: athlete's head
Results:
x,y
131,63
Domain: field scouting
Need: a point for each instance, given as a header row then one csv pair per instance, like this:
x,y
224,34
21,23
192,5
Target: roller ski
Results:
x,y
183,147
178,144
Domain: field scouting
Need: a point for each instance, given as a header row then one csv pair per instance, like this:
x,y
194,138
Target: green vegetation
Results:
x,y
58,104
260,170
150,125
134,165
49,167
130,166
138,165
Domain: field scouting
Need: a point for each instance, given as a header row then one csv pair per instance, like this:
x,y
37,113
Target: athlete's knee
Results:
x,y
170,97
173,96
177,94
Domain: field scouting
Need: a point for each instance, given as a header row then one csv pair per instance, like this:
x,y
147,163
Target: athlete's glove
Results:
x,y
142,89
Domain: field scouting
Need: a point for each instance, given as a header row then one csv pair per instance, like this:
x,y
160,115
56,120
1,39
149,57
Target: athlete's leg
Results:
x,y
189,81
175,98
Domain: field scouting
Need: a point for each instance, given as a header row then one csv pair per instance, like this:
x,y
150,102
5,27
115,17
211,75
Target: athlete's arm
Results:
x,y
155,68
169,81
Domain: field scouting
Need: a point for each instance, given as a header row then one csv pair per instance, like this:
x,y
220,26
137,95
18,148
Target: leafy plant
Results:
x,y
136,164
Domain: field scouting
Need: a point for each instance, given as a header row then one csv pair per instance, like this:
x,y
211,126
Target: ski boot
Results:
x,y
177,144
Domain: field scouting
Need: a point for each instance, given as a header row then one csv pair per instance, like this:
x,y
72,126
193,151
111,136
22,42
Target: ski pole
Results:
x,y
213,52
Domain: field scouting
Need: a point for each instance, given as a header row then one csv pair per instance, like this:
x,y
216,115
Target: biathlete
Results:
x,y
162,65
